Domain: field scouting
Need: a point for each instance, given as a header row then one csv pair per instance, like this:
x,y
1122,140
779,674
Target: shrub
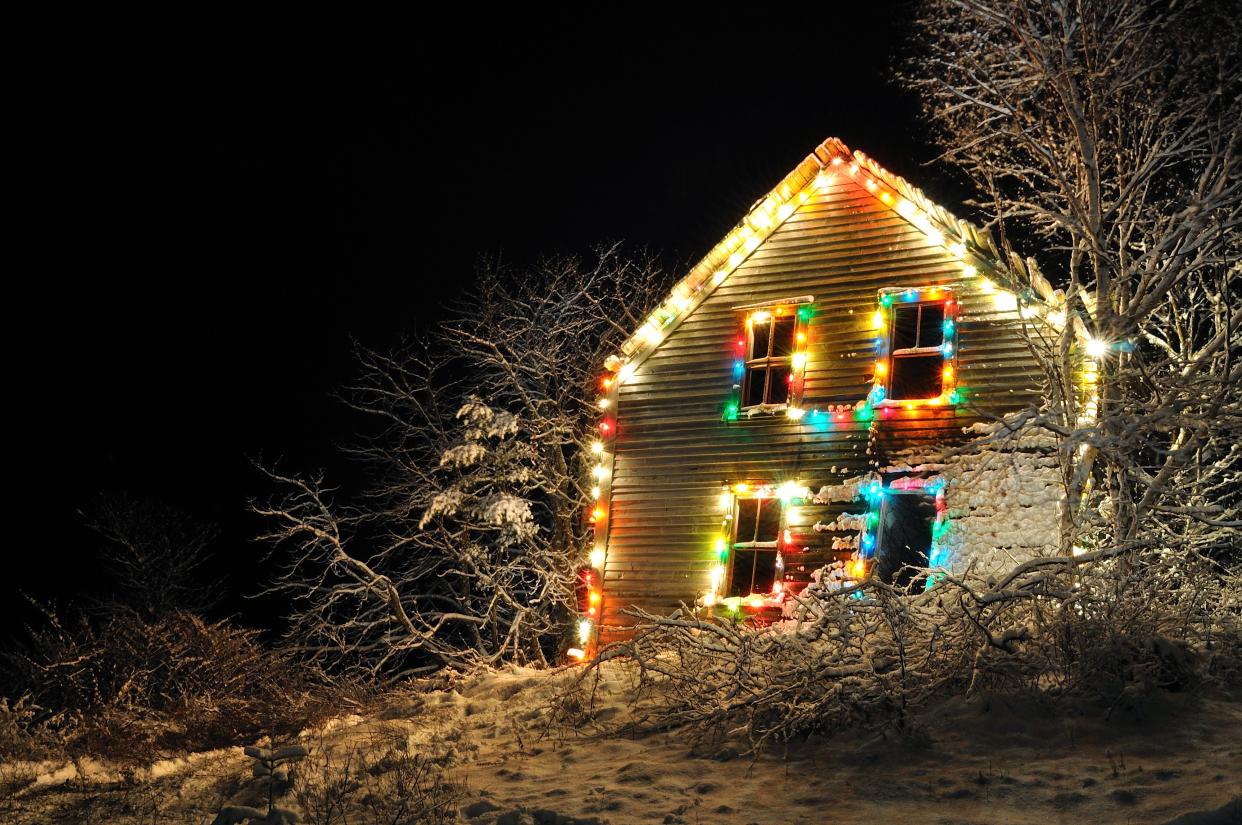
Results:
x,y
128,687
1108,627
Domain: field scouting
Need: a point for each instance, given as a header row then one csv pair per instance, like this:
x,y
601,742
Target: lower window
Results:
x,y
756,535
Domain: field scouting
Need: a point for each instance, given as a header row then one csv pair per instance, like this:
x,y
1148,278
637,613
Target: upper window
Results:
x,y
917,359
917,369
770,346
757,524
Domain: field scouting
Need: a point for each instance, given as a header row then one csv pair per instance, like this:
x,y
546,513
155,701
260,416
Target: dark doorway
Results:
x,y
905,536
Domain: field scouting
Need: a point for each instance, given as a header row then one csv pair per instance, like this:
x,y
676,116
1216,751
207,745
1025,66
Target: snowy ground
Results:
x,y
1175,759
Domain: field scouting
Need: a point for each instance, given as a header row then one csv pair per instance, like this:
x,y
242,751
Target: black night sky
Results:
x,y
212,205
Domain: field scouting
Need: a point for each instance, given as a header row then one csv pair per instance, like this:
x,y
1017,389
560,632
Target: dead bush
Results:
x,y
129,687
380,782
27,731
1107,626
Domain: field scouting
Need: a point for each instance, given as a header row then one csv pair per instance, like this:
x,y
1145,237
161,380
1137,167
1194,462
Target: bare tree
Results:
x,y
154,556
464,550
1105,134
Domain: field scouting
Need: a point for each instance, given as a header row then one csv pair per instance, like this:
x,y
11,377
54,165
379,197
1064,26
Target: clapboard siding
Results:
x,y
673,452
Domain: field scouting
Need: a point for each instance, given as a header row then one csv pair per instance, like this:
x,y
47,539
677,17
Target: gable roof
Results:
x,y
963,240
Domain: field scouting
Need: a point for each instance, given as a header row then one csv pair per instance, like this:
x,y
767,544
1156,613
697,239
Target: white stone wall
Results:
x,y
1004,499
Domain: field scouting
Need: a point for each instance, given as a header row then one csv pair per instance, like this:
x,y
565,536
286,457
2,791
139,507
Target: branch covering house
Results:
x,y
789,414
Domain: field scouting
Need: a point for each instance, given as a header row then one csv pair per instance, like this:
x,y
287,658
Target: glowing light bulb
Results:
x,y
957,250
881,369
652,333
970,271
576,653
597,514
788,490
584,631
1006,301
887,198
798,361
595,492
948,373
626,372
759,317
1096,348
877,320
742,487
726,502
604,403
597,447
870,185
1056,318
599,472
785,210
597,558
987,286
709,599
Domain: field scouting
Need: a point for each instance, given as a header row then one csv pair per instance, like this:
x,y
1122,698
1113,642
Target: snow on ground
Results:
x,y
986,760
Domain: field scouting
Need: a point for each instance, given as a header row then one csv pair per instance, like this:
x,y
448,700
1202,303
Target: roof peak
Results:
x,y
963,239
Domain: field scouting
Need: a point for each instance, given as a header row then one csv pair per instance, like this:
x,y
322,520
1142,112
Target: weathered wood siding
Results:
x,y
673,452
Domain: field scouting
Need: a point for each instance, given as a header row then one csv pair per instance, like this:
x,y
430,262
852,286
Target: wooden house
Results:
x,y
785,415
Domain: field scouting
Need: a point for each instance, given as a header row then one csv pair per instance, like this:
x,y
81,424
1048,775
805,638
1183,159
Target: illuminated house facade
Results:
x,y
789,413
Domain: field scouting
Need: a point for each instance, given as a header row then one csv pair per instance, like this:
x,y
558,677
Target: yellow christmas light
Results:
x,y
597,557
597,447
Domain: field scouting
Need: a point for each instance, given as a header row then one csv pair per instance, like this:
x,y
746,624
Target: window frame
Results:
x,y
893,300
749,365
773,547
